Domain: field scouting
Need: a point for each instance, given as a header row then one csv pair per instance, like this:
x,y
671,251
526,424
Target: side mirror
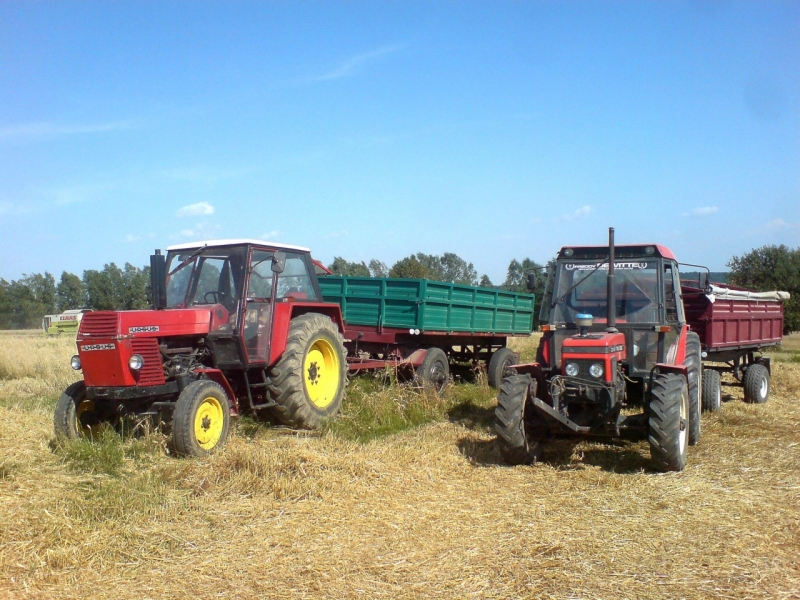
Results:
x,y
704,283
531,281
278,262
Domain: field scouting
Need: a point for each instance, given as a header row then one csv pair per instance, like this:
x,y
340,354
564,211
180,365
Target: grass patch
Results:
x,y
107,452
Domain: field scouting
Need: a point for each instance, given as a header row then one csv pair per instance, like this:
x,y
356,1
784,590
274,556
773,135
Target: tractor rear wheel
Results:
x,y
434,372
201,420
756,384
308,382
712,392
498,364
694,368
669,422
75,415
514,422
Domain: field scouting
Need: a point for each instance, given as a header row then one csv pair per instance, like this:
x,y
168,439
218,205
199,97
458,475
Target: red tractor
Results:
x,y
238,326
616,339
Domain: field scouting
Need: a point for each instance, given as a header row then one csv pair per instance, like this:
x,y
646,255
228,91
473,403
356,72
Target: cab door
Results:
x,y
259,298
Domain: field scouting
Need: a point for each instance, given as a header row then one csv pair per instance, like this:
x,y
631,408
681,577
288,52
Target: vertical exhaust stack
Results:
x,y
611,299
158,280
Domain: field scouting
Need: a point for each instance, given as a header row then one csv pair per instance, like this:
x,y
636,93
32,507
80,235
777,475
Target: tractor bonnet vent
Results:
x,y
102,323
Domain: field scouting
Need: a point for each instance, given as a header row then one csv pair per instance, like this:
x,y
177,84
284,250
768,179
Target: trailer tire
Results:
x,y
308,382
712,392
501,359
514,421
75,414
756,384
434,372
202,419
694,369
668,422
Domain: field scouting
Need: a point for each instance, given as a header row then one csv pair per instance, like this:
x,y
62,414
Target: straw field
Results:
x,y
428,511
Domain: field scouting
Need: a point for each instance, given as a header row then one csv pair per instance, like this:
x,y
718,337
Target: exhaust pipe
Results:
x,y
611,299
158,280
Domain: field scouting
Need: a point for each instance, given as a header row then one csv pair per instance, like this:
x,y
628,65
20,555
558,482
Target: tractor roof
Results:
x,y
234,242
620,251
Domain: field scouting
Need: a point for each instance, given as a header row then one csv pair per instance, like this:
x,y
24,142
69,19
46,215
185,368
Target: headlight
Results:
x,y
572,369
136,362
75,362
596,370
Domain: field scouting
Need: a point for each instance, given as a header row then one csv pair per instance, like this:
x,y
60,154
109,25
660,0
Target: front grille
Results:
x,y
105,323
152,373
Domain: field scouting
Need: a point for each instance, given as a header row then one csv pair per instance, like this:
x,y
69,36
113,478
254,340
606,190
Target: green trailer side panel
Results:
x,y
428,305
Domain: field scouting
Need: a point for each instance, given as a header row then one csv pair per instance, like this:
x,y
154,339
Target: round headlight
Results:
x,y
571,369
136,362
596,370
75,362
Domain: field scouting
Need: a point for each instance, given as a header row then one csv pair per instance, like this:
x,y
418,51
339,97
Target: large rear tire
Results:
x,y
75,415
694,368
201,421
514,418
668,422
756,384
712,391
498,366
308,382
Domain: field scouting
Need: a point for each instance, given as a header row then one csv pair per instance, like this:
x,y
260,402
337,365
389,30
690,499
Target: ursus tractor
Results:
x,y
617,358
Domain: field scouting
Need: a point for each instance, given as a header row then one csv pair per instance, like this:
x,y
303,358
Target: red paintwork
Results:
x,y
606,341
284,312
731,324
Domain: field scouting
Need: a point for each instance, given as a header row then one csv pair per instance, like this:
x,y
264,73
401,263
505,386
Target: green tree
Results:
x,y
410,268
340,266
135,282
378,268
25,301
70,292
485,281
448,267
771,268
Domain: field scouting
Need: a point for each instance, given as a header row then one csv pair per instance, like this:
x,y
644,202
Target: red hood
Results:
x,y
151,323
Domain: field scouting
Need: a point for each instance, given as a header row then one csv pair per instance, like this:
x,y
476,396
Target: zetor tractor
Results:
x,y
616,338
238,326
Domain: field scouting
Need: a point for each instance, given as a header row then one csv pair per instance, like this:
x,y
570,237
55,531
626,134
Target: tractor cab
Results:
x,y
241,281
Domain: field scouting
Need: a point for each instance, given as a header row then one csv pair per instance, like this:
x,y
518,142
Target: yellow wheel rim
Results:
x,y
321,373
208,423
85,406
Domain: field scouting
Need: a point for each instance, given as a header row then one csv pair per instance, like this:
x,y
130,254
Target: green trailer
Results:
x,y
427,325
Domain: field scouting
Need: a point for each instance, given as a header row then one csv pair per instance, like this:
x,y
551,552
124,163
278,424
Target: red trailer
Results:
x,y
734,325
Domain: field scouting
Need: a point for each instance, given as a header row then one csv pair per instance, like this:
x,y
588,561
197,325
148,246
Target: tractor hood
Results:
x,y
595,344
152,323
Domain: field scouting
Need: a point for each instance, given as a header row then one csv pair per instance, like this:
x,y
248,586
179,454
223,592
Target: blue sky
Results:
x,y
495,130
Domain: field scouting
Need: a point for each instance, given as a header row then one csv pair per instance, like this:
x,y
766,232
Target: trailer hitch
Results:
x,y
553,413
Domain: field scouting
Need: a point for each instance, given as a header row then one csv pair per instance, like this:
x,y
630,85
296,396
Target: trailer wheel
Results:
x,y
75,415
669,422
712,393
201,420
434,371
498,365
308,382
694,368
756,384
514,422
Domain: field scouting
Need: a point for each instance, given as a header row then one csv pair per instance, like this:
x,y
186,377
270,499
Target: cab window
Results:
x,y
295,281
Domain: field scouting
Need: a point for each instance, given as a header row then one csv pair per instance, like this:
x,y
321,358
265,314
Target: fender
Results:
x,y
282,316
218,376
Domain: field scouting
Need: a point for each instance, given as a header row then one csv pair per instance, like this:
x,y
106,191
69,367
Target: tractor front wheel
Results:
x,y
669,422
308,382
75,414
201,420
756,384
501,360
712,392
514,422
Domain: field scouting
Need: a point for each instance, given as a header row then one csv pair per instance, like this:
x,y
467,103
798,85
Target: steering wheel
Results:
x,y
214,300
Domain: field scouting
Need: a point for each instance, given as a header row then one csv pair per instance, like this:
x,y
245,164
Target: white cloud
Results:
x,y
270,236
701,211
337,234
352,64
46,129
132,238
195,210
776,225
201,231
583,211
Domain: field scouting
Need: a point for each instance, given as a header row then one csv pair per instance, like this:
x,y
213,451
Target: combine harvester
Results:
x,y
66,322
623,335
243,326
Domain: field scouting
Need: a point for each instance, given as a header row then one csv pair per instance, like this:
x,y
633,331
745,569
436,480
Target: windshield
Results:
x,y
212,276
582,288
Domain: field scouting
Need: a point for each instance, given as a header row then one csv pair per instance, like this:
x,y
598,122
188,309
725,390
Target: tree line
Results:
x,y
25,301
